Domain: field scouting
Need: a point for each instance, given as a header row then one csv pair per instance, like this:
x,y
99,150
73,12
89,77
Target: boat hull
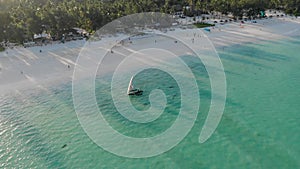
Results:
x,y
135,92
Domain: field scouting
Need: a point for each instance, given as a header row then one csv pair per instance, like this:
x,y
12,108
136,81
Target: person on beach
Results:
x,y
69,66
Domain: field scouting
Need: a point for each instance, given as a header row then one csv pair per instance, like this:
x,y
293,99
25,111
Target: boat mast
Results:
x,y
130,86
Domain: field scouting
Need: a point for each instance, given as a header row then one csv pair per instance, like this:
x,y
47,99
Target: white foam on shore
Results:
x,y
23,68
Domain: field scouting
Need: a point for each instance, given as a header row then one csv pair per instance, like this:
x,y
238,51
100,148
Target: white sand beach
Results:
x,y
43,66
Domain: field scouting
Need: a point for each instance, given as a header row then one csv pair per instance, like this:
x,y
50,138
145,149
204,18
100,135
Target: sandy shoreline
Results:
x,y
24,68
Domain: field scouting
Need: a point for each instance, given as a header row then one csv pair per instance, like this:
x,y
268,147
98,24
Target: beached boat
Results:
x,y
131,90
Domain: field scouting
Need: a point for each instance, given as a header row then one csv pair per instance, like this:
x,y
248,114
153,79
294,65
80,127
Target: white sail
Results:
x,y
130,86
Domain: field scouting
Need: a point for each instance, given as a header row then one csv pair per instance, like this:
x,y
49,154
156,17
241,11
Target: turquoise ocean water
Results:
x,y
259,129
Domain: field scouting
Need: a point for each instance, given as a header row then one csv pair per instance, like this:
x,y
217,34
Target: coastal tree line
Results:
x,y
21,19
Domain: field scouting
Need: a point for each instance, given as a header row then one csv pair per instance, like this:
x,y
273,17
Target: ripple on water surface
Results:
x,y
259,129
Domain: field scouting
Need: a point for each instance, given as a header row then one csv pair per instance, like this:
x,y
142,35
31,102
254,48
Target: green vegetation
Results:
x,y
2,49
21,19
203,25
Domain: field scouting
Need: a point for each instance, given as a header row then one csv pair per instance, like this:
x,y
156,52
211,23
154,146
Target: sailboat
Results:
x,y
131,90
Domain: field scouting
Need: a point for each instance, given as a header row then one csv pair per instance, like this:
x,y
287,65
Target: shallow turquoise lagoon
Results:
x,y
259,129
